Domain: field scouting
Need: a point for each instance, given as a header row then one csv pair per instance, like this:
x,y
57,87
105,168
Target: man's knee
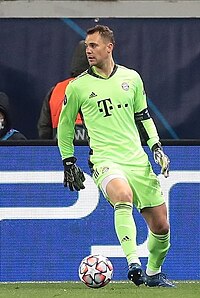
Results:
x,y
160,228
124,196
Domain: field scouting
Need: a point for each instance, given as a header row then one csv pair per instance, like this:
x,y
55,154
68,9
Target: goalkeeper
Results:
x,y
113,104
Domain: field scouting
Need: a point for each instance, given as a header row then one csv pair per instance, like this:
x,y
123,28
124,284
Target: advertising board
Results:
x,y
46,230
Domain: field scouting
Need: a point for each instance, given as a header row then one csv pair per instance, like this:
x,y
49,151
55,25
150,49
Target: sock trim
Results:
x,y
123,205
161,237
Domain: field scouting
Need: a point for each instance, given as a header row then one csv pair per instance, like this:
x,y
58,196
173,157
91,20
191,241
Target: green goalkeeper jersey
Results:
x,y
109,106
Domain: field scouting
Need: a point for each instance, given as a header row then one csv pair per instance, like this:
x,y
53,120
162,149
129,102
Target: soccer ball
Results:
x,y
95,271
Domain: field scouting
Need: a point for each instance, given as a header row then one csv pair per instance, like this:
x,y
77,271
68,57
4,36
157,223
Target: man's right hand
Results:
x,y
73,175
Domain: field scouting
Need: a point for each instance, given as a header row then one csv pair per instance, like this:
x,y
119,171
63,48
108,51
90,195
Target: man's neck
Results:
x,y
106,70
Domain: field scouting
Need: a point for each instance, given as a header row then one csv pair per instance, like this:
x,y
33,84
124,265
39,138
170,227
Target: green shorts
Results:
x,y
142,180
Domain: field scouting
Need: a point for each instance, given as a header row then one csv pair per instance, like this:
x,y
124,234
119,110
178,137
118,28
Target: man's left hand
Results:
x,y
163,160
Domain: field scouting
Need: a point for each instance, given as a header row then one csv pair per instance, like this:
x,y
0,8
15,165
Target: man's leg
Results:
x,y
126,230
121,197
158,244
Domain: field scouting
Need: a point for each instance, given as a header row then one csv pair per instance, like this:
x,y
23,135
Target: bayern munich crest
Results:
x,y
125,86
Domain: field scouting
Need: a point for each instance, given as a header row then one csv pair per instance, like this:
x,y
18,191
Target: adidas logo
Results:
x,y
126,238
92,95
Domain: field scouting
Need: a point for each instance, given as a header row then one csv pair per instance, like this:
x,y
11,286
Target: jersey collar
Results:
x,y
92,73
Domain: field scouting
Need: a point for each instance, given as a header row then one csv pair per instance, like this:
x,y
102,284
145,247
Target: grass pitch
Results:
x,y
190,289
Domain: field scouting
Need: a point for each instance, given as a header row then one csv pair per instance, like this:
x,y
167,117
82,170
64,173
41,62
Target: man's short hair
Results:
x,y
104,31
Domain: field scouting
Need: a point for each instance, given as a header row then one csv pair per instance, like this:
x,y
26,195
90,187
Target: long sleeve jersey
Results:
x,y
114,111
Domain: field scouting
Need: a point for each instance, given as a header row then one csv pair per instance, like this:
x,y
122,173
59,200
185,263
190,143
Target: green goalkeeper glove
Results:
x,y
161,158
73,175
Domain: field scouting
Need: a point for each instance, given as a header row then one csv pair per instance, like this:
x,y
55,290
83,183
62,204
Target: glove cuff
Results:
x,y
68,162
156,146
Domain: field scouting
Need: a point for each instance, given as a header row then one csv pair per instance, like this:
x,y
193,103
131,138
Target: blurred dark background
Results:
x,y
36,53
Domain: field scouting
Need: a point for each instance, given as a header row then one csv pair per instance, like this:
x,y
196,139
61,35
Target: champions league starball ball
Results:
x,y
95,271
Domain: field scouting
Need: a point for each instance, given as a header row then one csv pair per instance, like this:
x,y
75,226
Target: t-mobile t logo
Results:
x,y
105,105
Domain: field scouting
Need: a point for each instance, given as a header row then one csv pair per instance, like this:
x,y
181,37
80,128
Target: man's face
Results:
x,y
98,49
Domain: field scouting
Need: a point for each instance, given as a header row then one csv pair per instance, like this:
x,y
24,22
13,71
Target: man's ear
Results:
x,y
110,47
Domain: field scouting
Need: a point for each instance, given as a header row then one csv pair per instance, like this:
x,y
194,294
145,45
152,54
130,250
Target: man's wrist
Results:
x,y
68,162
156,146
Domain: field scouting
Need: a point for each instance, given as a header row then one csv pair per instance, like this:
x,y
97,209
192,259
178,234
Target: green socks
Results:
x,y
126,230
158,246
